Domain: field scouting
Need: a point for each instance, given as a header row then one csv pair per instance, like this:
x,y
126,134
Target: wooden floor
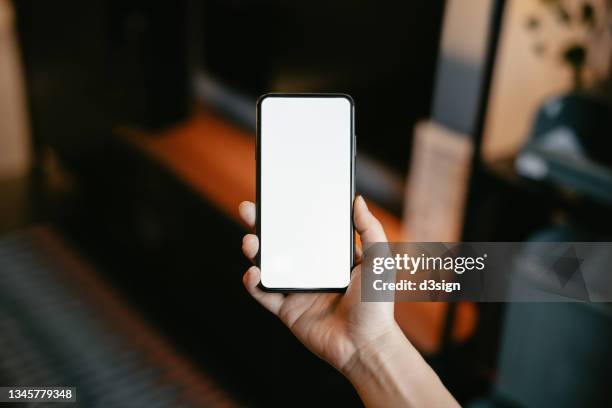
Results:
x,y
217,159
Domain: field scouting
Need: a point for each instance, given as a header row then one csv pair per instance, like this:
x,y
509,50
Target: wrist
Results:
x,y
389,371
373,356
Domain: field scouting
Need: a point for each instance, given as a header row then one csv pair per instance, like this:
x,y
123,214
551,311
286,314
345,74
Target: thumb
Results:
x,y
367,225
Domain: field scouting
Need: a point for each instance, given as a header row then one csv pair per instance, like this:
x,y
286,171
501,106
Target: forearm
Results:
x,y
392,373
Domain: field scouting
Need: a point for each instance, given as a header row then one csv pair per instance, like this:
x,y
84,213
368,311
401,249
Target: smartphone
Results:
x,y
305,191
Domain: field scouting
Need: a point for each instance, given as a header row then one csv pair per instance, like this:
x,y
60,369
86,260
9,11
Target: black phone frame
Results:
x,y
353,154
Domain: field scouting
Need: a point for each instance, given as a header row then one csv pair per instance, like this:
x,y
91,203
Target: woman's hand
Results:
x,y
334,326
362,340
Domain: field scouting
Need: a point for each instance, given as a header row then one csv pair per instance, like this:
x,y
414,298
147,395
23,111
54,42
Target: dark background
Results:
x,y
94,68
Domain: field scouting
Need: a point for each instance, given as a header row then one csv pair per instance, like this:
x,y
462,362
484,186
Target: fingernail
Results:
x,y
252,270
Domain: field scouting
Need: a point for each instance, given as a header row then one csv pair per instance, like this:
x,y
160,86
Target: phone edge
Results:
x,y
258,187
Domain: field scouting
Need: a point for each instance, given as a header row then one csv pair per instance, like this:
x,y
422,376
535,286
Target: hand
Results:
x,y
362,340
334,326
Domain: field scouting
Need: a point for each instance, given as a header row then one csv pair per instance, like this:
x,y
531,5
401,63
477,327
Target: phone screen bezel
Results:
x,y
352,152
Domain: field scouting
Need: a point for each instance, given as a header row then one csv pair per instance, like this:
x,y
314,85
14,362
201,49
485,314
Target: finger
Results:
x,y
247,212
358,254
250,246
271,301
367,225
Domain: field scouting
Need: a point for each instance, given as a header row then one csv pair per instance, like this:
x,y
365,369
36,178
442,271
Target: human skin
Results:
x,y
360,339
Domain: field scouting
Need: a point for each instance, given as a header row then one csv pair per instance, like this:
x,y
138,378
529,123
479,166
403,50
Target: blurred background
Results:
x,y
127,142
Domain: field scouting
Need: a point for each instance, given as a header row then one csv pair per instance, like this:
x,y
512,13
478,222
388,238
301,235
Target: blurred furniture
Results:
x,y
365,49
443,182
14,131
537,354
217,158
15,154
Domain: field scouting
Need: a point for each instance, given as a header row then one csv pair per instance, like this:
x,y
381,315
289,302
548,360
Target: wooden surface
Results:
x,y
217,159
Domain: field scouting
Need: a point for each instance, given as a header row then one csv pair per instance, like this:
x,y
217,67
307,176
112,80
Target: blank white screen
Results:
x,y
305,192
